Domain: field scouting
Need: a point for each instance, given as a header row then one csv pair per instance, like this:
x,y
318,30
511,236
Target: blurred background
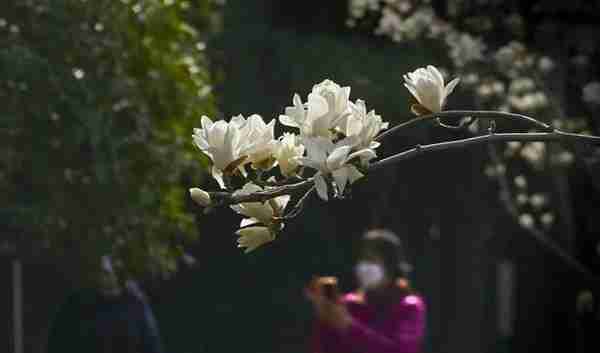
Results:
x,y
98,100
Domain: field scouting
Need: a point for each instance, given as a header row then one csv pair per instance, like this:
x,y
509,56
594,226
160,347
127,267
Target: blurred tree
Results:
x,y
99,99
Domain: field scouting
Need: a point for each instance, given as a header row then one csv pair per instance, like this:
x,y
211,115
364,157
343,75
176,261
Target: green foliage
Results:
x,y
99,99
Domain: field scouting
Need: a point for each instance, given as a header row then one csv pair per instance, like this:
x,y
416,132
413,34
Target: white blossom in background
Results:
x,y
401,21
564,158
331,159
390,24
288,150
545,64
485,90
258,227
538,201
221,141
522,199
534,152
547,219
512,57
591,93
527,221
260,142
512,79
512,148
359,8
427,86
521,85
528,102
464,48
471,78
520,181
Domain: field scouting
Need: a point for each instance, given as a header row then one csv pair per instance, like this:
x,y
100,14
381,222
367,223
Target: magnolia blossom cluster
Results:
x,y
327,133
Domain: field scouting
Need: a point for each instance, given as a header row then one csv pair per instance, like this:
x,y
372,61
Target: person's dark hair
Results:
x,y
388,246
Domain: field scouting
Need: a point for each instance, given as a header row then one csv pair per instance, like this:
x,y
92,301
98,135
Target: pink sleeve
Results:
x,y
405,333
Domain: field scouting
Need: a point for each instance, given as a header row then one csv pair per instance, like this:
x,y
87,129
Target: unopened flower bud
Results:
x,y
200,196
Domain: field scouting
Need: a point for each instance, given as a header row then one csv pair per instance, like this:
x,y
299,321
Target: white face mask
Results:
x,y
369,274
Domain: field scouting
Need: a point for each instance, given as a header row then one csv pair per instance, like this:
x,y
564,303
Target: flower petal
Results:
x,y
317,106
413,91
206,122
248,221
280,203
287,121
217,174
450,87
436,74
338,157
253,237
364,154
354,174
341,178
307,162
321,186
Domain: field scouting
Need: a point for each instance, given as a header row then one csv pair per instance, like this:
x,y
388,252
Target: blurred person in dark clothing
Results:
x,y
384,315
588,320
110,318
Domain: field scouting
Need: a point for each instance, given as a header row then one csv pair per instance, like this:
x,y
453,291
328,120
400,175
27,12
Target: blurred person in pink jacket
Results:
x,y
384,315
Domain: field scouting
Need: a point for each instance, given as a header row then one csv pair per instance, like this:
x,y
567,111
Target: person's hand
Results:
x,y
331,312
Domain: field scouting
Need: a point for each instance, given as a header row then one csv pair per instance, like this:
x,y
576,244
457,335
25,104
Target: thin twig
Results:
x,y
459,114
537,136
226,198
462,125
299,205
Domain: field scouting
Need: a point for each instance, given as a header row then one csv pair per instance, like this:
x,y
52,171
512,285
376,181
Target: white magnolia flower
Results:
x,y
329,158
361,126
295,116
253,237
326,105
259,212
260,217
427,86
260,143
288,149
221,141
200,196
